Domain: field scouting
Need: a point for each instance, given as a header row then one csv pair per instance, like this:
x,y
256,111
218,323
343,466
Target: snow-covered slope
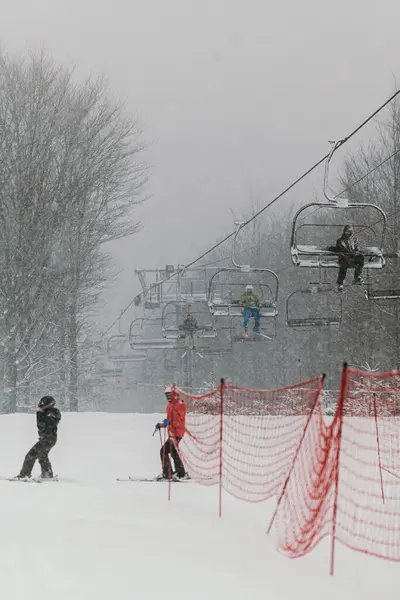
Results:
x,y
91,537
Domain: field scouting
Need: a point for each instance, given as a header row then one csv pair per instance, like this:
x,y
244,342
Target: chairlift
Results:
x,y
228,283
174,313
158,285
303,307
112,372
139,341
386,288
389,294
193,284
119,350
313,240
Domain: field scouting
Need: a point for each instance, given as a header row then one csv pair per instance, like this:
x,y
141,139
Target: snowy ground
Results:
x,y
91,537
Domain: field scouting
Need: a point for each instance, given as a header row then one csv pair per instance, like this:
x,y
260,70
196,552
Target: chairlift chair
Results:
x,y
163,287
138,340
193,284
174,312
386,287
224,304
389,294
322,254
118,350
334,312
225,288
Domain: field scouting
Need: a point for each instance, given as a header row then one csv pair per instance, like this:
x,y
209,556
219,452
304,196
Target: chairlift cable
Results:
x,y
368,173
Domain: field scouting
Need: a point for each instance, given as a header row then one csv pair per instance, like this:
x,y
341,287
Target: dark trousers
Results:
x,y
169,448
352,261
40,451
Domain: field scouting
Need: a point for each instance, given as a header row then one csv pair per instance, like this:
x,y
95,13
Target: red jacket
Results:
x,y
176,415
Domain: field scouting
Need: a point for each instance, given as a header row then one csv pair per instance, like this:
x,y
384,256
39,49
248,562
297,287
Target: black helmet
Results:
x,y
46,402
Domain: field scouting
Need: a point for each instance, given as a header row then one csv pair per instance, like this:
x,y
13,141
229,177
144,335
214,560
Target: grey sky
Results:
x,y
235,95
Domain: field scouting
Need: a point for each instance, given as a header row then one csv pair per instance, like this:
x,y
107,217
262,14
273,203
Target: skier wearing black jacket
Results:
x,y
47,419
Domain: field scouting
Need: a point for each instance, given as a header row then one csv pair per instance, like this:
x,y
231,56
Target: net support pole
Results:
x,y
221,436
378,445
344,382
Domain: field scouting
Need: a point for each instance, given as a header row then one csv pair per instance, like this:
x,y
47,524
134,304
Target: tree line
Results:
x,y
71,171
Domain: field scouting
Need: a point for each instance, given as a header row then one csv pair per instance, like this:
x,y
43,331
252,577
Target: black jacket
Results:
x,y
347,245
190,325
47,422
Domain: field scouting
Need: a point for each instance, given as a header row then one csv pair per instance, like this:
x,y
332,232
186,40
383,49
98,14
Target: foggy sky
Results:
x,y
235,97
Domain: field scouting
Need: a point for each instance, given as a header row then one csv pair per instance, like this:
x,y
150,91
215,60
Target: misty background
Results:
x,y
235,100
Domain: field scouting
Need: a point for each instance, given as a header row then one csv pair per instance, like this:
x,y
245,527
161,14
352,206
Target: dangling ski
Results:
x,y
263,335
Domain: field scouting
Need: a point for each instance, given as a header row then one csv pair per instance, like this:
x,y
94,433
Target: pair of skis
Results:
x,y
152,480
31,479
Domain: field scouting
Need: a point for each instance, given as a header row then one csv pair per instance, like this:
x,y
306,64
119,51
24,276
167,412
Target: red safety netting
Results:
x,y
340,479
245,440
200,449
305,507
345,477
368,497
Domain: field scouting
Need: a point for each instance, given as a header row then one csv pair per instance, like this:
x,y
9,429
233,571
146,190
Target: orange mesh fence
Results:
x,y
305,507
345,477
340,479
245,440
200,448
368,496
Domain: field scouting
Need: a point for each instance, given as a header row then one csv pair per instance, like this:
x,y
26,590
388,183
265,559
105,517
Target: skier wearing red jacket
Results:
x,y
175,423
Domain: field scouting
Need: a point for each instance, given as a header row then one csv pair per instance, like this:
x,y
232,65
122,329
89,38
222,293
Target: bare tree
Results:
x,y
69,178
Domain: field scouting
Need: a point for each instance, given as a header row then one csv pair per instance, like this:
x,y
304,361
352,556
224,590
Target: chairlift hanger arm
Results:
x,y
239,226
335,145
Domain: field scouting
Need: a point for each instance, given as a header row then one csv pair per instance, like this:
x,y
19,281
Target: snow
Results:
x,y
91,537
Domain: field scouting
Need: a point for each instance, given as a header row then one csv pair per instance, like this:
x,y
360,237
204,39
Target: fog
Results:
x,y
235,98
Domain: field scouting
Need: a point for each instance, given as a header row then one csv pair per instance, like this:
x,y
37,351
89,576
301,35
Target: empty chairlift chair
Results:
x,y
316,306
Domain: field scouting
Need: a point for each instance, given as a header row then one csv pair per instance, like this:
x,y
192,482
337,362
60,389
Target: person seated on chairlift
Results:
x,y
349,257
190,326
251,308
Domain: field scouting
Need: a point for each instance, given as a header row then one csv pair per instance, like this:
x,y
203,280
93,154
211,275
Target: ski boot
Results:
x,y
358,281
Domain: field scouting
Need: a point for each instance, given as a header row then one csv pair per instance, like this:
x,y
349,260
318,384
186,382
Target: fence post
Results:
x,y
221,432
344,382
378,447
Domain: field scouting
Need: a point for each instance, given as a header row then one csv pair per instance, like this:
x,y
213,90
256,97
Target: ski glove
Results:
x,y
158,425
165,423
